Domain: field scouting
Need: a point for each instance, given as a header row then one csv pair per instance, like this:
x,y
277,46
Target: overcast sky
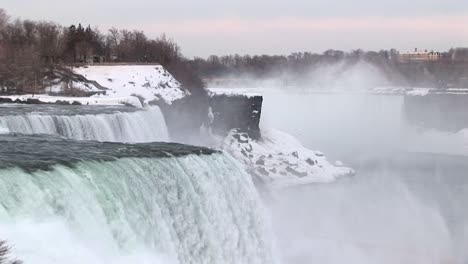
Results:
x,y
204,27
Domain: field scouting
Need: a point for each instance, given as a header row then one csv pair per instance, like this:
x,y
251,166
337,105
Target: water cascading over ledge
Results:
x,y
102,124
119,203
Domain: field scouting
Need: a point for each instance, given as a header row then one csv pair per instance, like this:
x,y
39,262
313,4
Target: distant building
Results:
x,y
420,55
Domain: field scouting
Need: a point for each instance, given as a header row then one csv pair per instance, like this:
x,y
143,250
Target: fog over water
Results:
x,y
338,124
406,203
342,124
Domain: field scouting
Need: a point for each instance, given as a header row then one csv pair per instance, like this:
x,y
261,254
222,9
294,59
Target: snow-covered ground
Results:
x,y
128,100
385,90
4,130
248,92
419,91
151,82
280,160
117,84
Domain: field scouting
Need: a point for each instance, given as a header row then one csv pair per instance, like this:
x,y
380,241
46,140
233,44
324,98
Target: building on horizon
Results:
x,y
420,56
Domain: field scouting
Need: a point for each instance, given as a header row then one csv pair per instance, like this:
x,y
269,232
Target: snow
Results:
x,y
151,82
4,130
118,84
129,100
339,163
457,90
416,91
248,92
419,91
388,90
280,160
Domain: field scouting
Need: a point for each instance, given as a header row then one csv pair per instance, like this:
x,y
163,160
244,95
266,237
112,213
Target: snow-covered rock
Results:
x,y
279,160
150,82
247,92
339,163
4,130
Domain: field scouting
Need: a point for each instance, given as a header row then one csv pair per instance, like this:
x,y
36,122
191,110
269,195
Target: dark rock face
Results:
x,y
296,172
59,102
446,112
236,111
5,100
184,117
32,101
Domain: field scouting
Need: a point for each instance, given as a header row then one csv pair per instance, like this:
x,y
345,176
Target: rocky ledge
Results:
x,y
279,160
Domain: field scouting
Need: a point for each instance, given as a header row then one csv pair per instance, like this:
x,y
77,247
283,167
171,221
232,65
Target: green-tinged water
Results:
x,y
137,207
32,152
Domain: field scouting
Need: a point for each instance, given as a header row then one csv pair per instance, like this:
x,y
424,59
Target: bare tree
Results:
x,y
30,50
4,252
3,19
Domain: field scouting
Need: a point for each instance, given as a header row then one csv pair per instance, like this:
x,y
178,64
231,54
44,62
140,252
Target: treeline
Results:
x,y
30,49
265,65
297,67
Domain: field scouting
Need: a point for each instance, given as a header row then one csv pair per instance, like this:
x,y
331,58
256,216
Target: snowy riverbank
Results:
x,y
150,82
47,99
134,85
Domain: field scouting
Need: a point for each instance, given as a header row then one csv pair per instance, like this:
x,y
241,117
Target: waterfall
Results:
x,y
147,125
186,209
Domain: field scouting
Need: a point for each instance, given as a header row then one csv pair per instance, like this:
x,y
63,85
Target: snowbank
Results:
x,y
248,92
389,90
4,130
426,91
419,91
129,100
151,82
279,160
116,84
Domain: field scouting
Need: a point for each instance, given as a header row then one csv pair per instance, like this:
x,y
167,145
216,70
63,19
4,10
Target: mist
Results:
x,y
70,246
376,217
355,75
406,202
